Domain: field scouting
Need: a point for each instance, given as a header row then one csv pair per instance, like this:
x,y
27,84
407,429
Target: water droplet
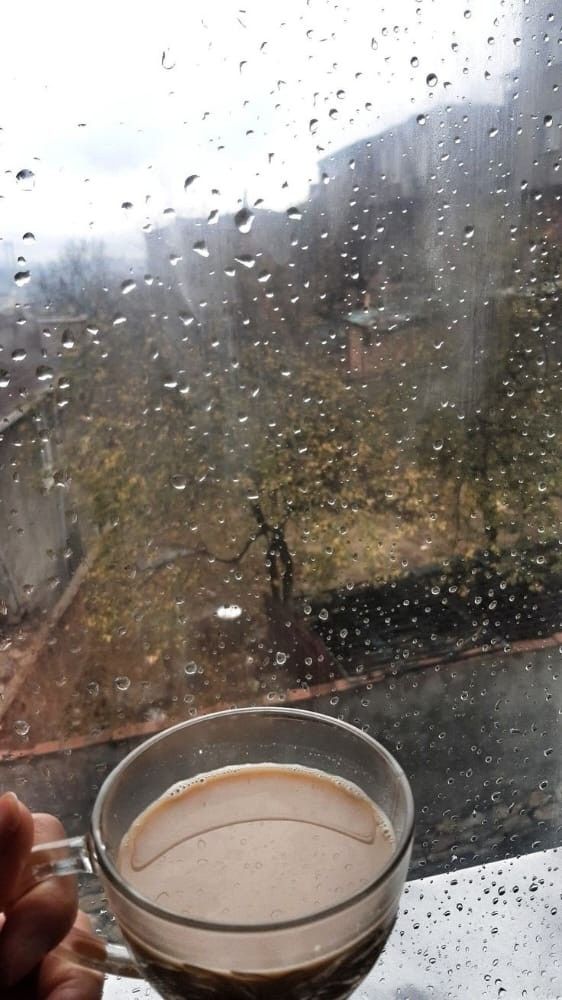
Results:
x,y
190,668
167,61
4,378
123,683
421,119
280,658
333,113
243,220
213,217
127,205
44,373
469,232
313,125
128,286
22,278
26,179
186,318
246,260
374,44
200,247
414,61
467,14
178,482
21,727
323,614
492,133
294,214
547,121
431,80
189,181
19,354
264,276
67,341
28,238
438,445
119,320
517,40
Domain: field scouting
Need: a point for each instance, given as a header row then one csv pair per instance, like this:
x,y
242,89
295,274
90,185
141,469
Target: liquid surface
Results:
x,y
256,844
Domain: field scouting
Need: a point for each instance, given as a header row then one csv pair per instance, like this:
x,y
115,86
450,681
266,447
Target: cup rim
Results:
x,y
113,875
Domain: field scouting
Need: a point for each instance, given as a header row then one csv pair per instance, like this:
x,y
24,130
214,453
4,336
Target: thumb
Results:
x,y
16,838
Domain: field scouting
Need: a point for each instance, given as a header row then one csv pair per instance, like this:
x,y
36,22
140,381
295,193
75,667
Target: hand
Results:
x,y
33,923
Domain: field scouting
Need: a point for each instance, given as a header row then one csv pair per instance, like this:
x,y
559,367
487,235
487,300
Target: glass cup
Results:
x,y
324,954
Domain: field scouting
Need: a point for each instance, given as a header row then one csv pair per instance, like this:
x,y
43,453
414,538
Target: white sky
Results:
x,y
89,107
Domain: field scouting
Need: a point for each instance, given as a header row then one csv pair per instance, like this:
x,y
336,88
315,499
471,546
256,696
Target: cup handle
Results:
x,y
72,857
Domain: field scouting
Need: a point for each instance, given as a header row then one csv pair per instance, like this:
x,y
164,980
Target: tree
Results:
x,y
502,460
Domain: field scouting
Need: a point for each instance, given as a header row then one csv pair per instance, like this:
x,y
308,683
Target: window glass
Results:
x,y
279,392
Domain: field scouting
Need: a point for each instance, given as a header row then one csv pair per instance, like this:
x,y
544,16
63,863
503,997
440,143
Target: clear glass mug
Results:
x,y
325,954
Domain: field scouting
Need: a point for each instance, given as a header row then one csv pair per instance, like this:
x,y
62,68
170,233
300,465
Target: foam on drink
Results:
x,y
256,844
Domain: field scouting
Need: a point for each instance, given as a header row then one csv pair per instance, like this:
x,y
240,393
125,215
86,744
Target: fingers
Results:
x,y
61,980
16,838
38,920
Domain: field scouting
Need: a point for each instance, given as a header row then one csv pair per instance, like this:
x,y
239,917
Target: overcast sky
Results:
x,y
119,102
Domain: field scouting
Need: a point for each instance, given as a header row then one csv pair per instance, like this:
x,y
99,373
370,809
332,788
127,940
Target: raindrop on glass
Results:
x,y
431,80
123,683
128,286
189,181
26,179
167,61
22,278
246,260
243,220
200,247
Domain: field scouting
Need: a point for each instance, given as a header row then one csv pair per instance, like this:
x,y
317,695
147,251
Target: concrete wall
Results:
x,y
34,532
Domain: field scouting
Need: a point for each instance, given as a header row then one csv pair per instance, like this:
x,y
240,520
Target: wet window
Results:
x,y
280,311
